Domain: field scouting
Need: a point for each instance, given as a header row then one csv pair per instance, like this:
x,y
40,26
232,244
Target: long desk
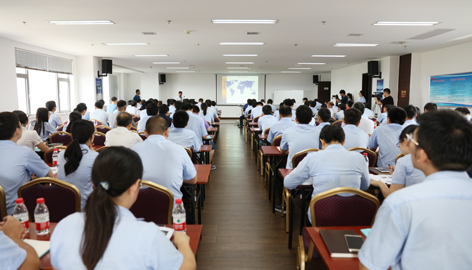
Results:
x,y
205,150
193,231
271,152
203,176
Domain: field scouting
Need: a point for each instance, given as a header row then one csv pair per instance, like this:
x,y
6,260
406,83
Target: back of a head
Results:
x,y
313,104
134,103
178,105
407,130
260,104
350,103
388,107
152,109
9,122
180,119
121,104
331,103
249,101
99,105
462,110
270,101
138,100
204,107
187,107
430,106
342,107
352,116
73,116
288,102
22,117
213,103
82,131
123,119
267,110
157,125
208,102
397,115
81,107
285,111
332,133
324,106
143,104
324,114
42,115
50,105
254,103
196,109
163,109
342,92
200,100
410,111
114,99
114,171
451,145
304,114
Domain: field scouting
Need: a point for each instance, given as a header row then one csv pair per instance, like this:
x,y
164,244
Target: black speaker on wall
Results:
x,y
162,78
315,79
107,66
373,68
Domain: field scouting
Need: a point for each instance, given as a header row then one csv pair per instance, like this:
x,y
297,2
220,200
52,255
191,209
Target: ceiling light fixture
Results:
x,y
311,63
240,55
328,55
405,23
238,71
354,45
166,63
291,72
299,68
185,71
176,67
125,43
150,55
242,43
245,21
238,68
95,22
239,63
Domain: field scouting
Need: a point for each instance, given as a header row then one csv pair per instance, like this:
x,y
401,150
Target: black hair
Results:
x,y
121,104
285,111
410,111
163,109
152,109
342,107
387,90
157,125
396,115
180,119
73,116
9,122
51,105
463,110
119,168
99,104
332,133
114,99
288,102
294,101
80,107
313,104
187,107
451,145
82,131
304,114
350,103
388,107
137,90
208,102
138,100
270,101
349,95
22,117
362,93
267,110
213,103
407,130
42,118
259,104
204,107
324,106
178,104
123,119
342,92
254,103
196,109
304,98
352,116
143,105
129,102
133,103
180,92
324,114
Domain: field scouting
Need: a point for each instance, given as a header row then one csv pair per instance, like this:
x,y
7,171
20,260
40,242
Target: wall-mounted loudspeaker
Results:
x,y
315,79
107,66
162,78
373,68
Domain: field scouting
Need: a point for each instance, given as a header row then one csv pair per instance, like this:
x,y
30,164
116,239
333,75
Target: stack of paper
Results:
x,y
387,179
41,247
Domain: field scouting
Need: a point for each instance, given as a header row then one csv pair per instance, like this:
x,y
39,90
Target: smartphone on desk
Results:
x,y
353,242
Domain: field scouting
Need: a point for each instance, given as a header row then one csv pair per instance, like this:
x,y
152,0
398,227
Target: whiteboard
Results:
x,y
281,95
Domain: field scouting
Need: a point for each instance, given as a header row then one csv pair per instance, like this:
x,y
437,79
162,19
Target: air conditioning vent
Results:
x,y
253,33
432,33
149,33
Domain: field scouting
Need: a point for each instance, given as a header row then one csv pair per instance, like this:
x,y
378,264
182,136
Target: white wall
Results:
x,y
291,82
132,82
148,83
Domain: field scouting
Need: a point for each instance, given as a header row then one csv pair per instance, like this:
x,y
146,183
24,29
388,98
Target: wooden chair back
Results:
x,y
61,137
276,141
298,157
154,203
48,153
96,122
99,138
3,203
370,154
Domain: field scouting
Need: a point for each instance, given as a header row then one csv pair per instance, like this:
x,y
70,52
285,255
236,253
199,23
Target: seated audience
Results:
x,y
169,169
413,222
384,115
362,98
323,117
341,111
152,110
142,111
29,138
54,120
41,125
195,123
17,163
331,168
120,107
411,114
354,136
132,108
172,107
313,107
196,111
207,114
257,111
285,122
366,124
107,235
430,106
465,112
276,113
290,103
182,136
99,114
164,113
82,109
122,134
75,163
386,137
266,120
112,107
270,103
73,116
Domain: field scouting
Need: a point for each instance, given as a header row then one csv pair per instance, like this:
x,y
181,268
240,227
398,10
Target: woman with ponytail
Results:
x,y
73,116
107,235
75,163
41,125
205,113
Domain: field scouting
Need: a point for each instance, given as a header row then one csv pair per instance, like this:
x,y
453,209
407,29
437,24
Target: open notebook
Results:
x,y
41,247
387,179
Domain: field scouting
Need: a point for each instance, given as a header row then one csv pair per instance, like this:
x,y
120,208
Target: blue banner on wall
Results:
x,y
380,86
454,90
99,88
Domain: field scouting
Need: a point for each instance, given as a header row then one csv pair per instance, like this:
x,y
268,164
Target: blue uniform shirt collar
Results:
x,y
286,119
123,212
156,138
334,147
4,143
445,175
178,129
323,124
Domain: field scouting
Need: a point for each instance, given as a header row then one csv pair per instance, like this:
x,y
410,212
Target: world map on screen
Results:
x,y
241,88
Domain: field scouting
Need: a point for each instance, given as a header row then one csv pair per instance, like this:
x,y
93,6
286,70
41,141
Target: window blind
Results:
x,y
43,62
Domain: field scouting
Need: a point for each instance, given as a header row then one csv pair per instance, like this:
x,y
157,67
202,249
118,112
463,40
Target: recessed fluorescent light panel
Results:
x,y
291,72
125,43
246,21
311,63
406,23
328,55
238,71
240,55
354,45
239,63
177,68
238,68
82,22
299,68
150,55
242,43
166,63
185,71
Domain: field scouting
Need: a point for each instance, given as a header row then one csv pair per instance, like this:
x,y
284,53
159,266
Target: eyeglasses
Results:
x,y
409,138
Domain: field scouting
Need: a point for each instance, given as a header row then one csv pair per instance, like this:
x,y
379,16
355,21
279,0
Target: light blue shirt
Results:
x,y
100,115
185,137
82,177
165,163
197,125
340,115
208,116
383,118
54,120
273,107
266,122
314,110
86,116
362,99
299,138
368,113
330,168
409,122
256,112
142,123
276,114
133,245
386,137
318,105
249,108
143,113
405,174
46,131
172,110
426,226
355,137
279,128
12,256
111,108
17,163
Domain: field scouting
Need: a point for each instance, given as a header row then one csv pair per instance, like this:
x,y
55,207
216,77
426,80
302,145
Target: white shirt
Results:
x,y
355,137
54,120
299,138
197,125
100,115
142,123
179,98
185,137
171,110
214,110
340,115
121,136
132,110
256,112
143,114
133,245
368,113
366,125
112,119
266,122
29,138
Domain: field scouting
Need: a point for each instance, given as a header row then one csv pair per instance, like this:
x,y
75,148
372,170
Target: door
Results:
x,y
367,89
324,91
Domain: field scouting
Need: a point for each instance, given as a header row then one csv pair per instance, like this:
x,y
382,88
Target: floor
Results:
x,y
239,229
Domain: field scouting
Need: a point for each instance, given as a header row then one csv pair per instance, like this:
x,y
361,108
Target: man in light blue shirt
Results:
x,y
362,98
269,102
313,107
284,123
195,123
99,114
54,120
250,107
152,110
355,137
301,136
386,137
112,107
331,168
164,162
266,120
383,116
427,226
411,114
368,113
120,107
172,108
257,111
17,163
182,136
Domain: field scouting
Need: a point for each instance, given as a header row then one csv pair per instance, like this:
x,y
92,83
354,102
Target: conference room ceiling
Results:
x,y
193,40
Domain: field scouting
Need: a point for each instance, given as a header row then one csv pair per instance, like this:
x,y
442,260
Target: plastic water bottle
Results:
x,y
366,160
20,213
55,157
41,217
179,217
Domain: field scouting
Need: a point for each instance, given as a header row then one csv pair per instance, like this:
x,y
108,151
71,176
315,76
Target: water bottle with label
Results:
x,y
179,217
55,157
41,217
366,160
20,213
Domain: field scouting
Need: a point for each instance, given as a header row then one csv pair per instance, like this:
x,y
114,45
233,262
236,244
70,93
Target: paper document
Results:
x,y
54,170
387,179
278,148
167,231
41,247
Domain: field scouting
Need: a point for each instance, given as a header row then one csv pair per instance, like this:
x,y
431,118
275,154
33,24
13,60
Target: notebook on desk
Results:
x,y
336,243
382,169
41,247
